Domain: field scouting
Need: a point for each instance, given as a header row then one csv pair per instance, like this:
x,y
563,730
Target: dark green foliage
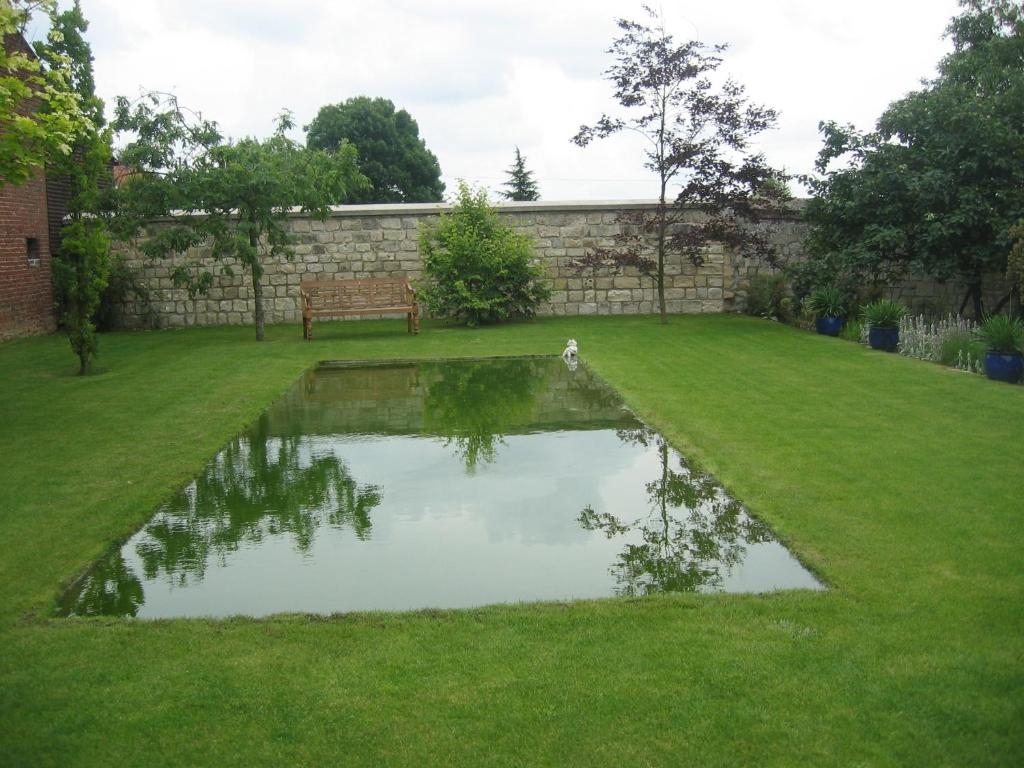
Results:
x,y
477,269
935,188
81,263
836,270
827,302
391,153
520,184
1002,333
79,276
883,313
233,196
123,286
699,138
768,296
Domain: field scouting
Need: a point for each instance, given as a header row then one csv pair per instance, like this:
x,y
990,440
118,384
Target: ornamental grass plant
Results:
x,y
1002,334
827,302
884,313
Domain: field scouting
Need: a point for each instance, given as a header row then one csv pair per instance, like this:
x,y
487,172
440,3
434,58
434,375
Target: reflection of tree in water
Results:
x,y
473,404
109,589
256,488
692,535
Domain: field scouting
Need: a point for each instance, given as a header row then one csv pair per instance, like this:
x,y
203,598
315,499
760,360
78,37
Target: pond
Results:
x,y
440,484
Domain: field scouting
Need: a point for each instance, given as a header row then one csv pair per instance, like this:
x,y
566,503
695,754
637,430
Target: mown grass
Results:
x,y
898,481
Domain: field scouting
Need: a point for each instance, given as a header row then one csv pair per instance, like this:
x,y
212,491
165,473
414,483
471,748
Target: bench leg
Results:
x,y
307,328
413,322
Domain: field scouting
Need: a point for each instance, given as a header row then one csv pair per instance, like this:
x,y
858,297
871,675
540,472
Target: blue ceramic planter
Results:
x,y
829,326
885,339
1002,367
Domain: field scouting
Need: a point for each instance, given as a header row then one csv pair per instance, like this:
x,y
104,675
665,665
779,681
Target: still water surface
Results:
x,y
437,484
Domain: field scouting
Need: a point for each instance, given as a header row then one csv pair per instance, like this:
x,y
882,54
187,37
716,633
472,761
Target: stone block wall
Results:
x,y
361,241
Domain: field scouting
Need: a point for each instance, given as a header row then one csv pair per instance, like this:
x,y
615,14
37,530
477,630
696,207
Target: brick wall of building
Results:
x,y
26,289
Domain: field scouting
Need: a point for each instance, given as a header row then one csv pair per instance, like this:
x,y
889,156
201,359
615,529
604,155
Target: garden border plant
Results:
x,y
478,270
883,320
1003,337
828,307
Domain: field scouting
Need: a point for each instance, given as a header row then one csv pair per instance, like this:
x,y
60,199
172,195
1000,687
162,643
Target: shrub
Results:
x,y
768,296
478,270
883,313
80,271
1002,333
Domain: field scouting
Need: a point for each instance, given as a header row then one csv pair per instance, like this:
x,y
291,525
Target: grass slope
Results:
x,y
898,481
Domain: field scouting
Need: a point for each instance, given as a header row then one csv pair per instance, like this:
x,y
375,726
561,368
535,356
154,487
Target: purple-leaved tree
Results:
x,y
698,136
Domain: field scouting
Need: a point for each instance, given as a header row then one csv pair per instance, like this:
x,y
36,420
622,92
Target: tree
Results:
x,y
234,196
934,190
391,153
697,136
478,270
69,46
40,113
521,185
81,259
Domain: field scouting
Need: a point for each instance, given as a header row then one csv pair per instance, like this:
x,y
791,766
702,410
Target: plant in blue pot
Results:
x,y
883,320
828,305
1003,337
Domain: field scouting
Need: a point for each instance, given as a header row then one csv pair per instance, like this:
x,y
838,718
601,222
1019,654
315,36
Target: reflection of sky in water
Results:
x,y
440,536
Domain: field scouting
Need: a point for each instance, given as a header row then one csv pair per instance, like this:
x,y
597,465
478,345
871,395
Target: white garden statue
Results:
x,y
571,354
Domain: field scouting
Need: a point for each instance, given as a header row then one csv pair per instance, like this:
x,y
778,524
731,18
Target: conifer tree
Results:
x,y
520,184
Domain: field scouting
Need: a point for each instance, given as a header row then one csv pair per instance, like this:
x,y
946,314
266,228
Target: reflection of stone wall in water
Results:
x,y
409,399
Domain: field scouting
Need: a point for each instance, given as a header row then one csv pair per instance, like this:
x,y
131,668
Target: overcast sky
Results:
x,y
481,77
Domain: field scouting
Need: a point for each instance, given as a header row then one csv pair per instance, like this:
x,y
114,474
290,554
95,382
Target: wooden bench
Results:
x,y
348,298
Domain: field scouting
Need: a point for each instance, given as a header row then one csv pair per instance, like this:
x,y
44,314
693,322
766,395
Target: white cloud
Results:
x,y
481,77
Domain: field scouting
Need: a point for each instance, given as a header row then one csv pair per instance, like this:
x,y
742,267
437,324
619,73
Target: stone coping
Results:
x,y
540,206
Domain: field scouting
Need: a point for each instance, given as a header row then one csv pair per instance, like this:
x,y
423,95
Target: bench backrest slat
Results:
x,y
325,295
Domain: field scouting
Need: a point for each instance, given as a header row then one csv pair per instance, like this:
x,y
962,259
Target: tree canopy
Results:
x,y
520,185
40,111
935,189
391,153
698,137
233,196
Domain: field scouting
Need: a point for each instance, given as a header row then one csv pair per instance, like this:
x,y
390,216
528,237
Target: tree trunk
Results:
x,y
257,289
976,294
662,227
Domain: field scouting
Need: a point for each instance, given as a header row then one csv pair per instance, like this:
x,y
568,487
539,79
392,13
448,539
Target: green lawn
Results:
x,y
898,481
